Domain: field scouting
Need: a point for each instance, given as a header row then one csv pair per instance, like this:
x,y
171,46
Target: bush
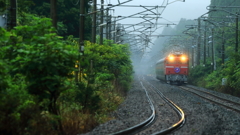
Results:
x,y
197,74
38,91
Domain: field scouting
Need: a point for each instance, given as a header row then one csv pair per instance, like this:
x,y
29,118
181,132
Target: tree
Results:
x,y
67,16
45,60
54,13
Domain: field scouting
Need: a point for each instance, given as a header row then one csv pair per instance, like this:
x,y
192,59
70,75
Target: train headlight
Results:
x,y
183,58
171,58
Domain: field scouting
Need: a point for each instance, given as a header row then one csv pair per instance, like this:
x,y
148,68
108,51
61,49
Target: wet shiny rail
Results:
x,y
176,108
148,122
138,127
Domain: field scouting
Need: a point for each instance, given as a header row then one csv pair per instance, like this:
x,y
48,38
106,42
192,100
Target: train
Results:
x,y
173,68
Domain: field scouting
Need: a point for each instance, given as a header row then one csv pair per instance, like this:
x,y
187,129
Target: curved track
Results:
x,y
177,109
146,124
213,98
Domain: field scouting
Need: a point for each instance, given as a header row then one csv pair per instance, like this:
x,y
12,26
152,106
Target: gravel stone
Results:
x,y
202,116
134,110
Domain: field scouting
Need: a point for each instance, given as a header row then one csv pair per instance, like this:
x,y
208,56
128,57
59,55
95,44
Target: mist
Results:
x,y
145,48
180,14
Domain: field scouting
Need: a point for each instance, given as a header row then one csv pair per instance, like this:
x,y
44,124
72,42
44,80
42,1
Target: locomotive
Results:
x,y
173,68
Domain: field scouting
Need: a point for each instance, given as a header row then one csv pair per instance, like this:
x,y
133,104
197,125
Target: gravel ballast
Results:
x,y
203,117
134,110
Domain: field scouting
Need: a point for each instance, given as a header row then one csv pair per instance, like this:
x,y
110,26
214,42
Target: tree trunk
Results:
x,y
54,109
53,12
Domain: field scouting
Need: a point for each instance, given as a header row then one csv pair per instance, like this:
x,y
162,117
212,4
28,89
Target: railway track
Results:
x,y
138,127
213,98
145,125
177,109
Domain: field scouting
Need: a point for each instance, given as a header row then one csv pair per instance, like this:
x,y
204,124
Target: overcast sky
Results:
x,y
172,13
190,9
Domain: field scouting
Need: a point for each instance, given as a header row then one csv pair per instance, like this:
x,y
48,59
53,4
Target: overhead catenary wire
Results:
x,y
155,12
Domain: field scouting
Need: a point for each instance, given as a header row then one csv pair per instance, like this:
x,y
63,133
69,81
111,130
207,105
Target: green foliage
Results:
x,y
223,35
15,102
35,64
44,59
82,95
37,87
3,76
23,6
110,62
235,78
213,80
197,73
3,6
231,72
106,72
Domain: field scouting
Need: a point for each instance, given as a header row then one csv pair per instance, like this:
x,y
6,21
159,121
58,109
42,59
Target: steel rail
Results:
x,y
223,99
140,125
177,109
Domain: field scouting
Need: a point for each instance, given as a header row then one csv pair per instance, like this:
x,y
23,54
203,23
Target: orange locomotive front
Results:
x,y
173,68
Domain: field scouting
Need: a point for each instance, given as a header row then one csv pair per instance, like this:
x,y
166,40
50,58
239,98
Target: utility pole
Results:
x,y
192,56
81,39
94,21
81,28
107,30
101,27
204,46
13,14
118,28
199,44
213,64
53,12
208,47
114,34
236,47
223,48
110,27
